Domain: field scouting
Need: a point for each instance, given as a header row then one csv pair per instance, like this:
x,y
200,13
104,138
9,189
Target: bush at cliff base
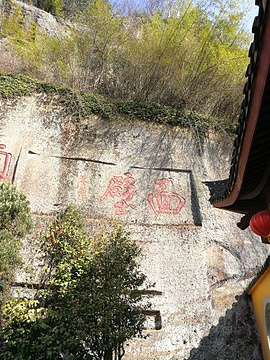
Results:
x,y
89,304
15,223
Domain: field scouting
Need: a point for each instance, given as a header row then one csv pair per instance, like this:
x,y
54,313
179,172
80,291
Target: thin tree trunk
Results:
x,y
108,354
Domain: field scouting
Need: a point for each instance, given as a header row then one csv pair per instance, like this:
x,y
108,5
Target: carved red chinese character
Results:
x,y
4,162
82,189
163,201
123,190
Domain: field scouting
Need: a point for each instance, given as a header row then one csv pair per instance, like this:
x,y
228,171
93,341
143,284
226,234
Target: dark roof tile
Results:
x,y
228,185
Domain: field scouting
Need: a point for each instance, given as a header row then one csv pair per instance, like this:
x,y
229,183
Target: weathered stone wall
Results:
x,y
152,178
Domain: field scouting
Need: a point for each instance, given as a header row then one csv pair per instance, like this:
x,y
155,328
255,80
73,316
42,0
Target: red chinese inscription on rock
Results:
x,y
82,187
122,189
163,201
4,162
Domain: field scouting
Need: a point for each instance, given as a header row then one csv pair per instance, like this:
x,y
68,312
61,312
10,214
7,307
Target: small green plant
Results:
x,y
90,303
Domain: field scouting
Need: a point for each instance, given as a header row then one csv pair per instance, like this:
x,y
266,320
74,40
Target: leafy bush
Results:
x,y
14,211
54,7
15,223
91,303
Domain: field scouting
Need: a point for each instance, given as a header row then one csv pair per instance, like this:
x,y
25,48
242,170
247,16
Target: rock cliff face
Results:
x,y
152,178
46,22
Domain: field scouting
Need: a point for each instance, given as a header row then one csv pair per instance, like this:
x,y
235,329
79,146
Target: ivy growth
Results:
x,y
79,105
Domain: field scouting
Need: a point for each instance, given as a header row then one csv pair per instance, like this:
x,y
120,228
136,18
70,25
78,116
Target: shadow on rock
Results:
x,y
235,337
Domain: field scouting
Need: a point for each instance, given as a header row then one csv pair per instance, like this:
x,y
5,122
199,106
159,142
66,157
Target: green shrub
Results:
x,y
14,211
52,6
91,302
15,223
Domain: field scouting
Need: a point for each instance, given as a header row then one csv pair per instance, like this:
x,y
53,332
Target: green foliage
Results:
x,y
20,31
54,7
14,211
91,304
180,54
26,317
12,25
9,260
53,56
32,31
191,59
81,104
12,86
15,223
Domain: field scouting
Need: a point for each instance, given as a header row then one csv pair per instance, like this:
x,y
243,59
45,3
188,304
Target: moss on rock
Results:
x,y
81,104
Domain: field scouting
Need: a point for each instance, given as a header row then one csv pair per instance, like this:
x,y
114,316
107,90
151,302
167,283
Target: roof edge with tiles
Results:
x,y
258,30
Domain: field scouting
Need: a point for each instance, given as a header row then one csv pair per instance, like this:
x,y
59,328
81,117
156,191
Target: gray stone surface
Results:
x,y
196,256
45,21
